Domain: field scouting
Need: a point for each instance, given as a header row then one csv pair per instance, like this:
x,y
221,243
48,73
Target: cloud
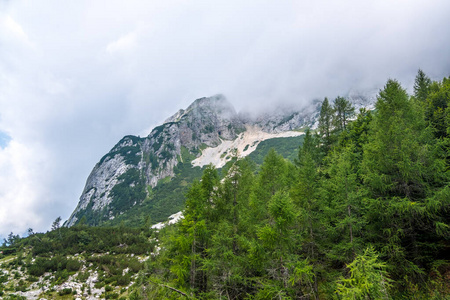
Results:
x,y
123,44
11,30
77,76
21,193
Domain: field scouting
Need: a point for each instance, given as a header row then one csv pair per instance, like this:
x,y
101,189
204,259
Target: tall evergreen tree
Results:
x,y
229,245
437,107
305,195
277,238
422,85
343,214
399,169
344,111
190,243
368,278
272,177
325,126
358,130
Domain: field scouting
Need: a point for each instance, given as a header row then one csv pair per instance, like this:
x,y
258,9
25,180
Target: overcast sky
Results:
x,y
76,76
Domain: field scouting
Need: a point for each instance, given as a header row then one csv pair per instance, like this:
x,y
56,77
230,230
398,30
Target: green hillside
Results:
x,y
168,196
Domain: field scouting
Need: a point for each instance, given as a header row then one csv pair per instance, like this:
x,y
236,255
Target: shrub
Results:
x,y
32,279
123,280
83,276
112,296
66,291
73,265
61,276
134,265
36,270
21,286
108,288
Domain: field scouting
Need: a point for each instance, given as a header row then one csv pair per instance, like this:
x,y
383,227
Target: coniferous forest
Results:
x,y
363,212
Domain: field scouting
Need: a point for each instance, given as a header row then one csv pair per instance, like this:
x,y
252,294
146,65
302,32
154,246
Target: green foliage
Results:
x,y
208,128
437,107
166,198
422,85
366,217
286,147
368,278
371,194
130,191
65,291
325,126
129,153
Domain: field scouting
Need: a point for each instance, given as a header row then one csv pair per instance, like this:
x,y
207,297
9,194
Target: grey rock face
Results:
x,y
285,119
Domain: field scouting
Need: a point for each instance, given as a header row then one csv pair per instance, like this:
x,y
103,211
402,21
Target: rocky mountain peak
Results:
x,y
207,131
217,106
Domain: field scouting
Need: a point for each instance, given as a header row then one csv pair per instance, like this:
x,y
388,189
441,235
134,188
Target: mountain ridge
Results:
x,y
127,175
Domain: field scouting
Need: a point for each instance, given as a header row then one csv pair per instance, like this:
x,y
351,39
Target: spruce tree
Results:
x,y
421,86
437,110
190,243
344,111
325,126
400,171
344,210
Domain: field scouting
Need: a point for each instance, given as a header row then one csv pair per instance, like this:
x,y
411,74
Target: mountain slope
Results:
x,y
137,172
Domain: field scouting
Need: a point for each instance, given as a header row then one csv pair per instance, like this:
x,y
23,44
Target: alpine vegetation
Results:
x,y
350,203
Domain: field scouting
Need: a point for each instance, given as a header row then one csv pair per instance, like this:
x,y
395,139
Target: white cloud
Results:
x,y
21,195
11,30
123,44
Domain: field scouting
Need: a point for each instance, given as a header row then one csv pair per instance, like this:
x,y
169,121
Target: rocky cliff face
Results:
x,y
206,130
119,181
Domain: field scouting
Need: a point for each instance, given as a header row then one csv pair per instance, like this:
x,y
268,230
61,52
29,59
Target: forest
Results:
x,y
363,212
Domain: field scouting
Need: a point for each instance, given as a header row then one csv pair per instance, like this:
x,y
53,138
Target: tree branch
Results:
x,y
171,288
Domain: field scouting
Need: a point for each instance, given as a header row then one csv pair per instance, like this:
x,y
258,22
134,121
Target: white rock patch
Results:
x,y
245,144
172,220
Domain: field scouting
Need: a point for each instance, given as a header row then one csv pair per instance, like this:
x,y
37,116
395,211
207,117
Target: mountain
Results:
x,y
151,174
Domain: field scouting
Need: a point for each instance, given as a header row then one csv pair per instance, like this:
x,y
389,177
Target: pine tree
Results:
x,y
190,244
421,86
344,111
277,238
344,213
272,177
325,126
358,131
368,278
56,224
437,110
305,195
401,175
233,230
